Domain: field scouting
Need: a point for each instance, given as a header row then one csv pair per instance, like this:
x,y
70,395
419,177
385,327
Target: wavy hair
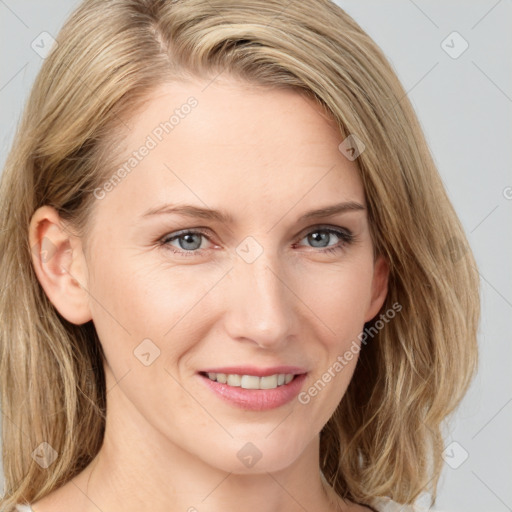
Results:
x,y
385,437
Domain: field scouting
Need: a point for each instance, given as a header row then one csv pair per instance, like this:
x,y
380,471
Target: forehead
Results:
x,y
229,144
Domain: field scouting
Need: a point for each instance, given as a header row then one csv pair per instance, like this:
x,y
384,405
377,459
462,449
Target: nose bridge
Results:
x,y
261,305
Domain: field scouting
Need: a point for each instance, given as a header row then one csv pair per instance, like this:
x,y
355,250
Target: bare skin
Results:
x,y
266,157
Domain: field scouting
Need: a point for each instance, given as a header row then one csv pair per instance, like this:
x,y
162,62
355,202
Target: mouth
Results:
x,y
255,389
247,381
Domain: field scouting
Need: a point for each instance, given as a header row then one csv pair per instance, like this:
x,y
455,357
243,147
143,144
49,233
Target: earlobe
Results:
x,y
379,287
60,265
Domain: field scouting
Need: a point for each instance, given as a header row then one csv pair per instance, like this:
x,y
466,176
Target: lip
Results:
x,y
253,370
255,399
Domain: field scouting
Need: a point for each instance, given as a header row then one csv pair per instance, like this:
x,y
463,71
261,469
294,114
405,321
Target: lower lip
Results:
x,y
256,399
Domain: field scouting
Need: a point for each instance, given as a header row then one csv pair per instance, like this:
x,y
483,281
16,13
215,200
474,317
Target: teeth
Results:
x,y
234,380
269,382
252,381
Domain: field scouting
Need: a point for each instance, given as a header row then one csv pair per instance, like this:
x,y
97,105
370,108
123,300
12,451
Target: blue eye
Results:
x,y
190,241
322,234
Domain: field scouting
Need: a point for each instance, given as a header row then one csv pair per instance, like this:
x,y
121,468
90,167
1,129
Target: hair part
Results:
x,y
385,437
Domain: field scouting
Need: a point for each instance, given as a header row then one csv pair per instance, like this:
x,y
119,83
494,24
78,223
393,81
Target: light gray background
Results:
x,y
464,106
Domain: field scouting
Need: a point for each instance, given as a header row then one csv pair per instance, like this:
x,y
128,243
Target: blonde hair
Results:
x,y
385,437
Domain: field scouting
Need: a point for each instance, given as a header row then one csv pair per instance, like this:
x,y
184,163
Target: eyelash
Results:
x,y
345,236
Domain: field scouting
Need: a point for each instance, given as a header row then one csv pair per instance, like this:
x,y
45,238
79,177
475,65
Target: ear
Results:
x,y
379,287
60,265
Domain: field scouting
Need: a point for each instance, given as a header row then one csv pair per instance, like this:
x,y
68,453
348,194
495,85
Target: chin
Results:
x,y
254,455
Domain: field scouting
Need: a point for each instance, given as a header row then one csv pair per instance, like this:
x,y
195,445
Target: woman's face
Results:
x,y
241,279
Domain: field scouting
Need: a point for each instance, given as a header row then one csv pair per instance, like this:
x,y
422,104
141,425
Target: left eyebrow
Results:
x,y
332,210
226,218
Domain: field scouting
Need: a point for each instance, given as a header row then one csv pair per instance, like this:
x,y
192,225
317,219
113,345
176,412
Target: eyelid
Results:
x,y
321,227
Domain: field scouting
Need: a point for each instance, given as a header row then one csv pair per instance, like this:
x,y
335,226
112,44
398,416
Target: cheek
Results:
x,y
148,319
339,296
135,301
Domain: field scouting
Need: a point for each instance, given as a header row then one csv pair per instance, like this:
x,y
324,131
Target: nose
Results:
x,y
260,304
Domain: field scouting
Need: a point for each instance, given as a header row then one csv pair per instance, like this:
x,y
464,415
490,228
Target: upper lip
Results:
x,y
253,370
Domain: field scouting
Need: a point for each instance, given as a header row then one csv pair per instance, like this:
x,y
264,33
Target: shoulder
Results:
x,y
23,508
388,505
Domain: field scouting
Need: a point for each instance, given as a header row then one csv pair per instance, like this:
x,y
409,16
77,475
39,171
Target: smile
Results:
x,y
252,381
272,388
